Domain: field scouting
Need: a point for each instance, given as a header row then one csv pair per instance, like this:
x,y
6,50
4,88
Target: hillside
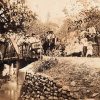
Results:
x,y
81,75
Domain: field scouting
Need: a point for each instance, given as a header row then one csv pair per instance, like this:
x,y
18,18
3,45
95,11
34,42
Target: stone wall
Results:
x,y
41,87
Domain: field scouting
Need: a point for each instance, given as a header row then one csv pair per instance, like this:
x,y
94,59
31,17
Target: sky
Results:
x,y
53,9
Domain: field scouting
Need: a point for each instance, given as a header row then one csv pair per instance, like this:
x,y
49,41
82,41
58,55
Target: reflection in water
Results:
x,y
10,91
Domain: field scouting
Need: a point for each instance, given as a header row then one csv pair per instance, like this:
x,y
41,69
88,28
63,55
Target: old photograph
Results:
x,y
49,49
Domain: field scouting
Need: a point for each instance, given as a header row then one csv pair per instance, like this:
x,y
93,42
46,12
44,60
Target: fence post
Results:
x,y
17,71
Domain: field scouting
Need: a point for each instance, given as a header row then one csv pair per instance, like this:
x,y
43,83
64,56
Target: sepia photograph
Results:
x,y
49,49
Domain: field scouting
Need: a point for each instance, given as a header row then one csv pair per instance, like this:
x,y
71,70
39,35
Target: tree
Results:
x,y
15,16
92,18
88,18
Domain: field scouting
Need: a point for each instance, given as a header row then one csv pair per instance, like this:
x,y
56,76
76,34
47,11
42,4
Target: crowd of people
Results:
x,y
25,45
81,46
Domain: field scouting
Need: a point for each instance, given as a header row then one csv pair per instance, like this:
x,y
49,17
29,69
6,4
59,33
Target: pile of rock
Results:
x,y
40,87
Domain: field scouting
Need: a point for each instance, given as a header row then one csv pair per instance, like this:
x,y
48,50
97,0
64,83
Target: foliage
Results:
x,y
14,16
92,18
87,18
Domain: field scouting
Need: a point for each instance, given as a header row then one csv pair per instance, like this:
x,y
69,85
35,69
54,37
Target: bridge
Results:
x,y
12,53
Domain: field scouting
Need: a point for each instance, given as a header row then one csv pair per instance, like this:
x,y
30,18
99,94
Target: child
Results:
x,y
89,50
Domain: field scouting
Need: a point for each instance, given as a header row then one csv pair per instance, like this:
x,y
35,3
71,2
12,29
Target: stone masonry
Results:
x,y
40,87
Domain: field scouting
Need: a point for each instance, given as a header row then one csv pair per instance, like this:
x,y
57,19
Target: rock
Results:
x,y
55,88
46,92
95,94
55,98
36,83
50,98
59,85
40,89
61,98
38,96
73,83
65,96
42,97
66,88
48,89
55,94
59,94
64,92
59,90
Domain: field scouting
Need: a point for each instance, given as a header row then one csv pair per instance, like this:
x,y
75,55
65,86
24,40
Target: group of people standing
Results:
x,y
82,45
48,43
24,45
80,48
